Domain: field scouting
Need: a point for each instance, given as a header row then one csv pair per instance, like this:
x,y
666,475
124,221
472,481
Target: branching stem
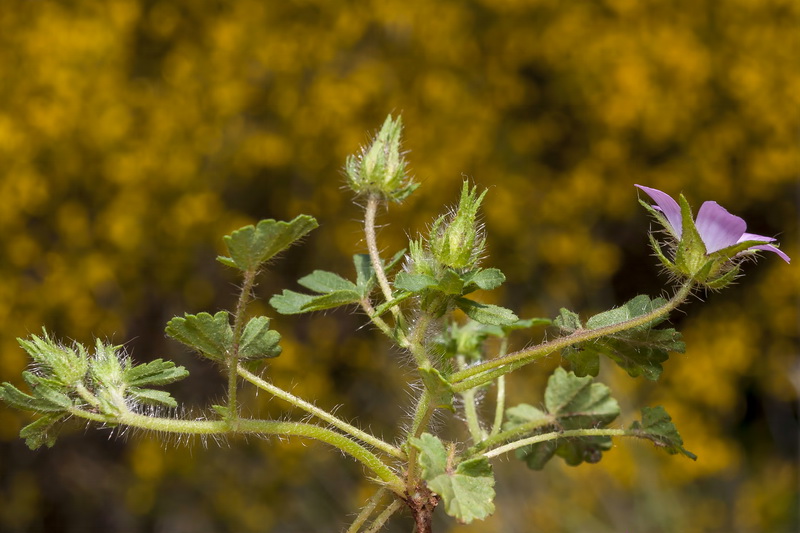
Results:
x,y
489,370
321,414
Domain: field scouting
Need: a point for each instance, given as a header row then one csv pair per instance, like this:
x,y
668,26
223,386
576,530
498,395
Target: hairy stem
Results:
x,y
381,519
470,409
257,427
557,435
489,370
367,510
500,406
321,414
238,325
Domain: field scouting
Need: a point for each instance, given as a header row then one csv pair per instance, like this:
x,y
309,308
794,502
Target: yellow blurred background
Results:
x,y
135,133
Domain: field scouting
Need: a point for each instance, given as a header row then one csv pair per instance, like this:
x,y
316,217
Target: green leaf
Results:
x,y
212,336
41,431
156,372
251,246
41,402
414,282
152,396
326,282
657,426
292,303
258,341
568,321
466,489
572,402
439,388
486,279
67,365
365,274
640,351
492,315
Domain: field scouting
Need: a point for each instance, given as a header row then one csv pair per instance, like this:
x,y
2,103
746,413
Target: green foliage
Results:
x,y
258,341
657,426
571,402
211,336
251,246
638,350
467,487
489,314
68,365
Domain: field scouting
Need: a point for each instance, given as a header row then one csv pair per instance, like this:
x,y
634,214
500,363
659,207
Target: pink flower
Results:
x,y
718,229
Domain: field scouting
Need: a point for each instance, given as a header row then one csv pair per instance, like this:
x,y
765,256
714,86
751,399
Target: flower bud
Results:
x,y
380,168
456,241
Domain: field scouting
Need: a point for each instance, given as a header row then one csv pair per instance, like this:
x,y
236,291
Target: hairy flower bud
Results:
x,y
456,240
380,168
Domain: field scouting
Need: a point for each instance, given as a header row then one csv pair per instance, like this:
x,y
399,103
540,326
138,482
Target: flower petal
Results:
x,y
770,248
667,205
718,228
754,237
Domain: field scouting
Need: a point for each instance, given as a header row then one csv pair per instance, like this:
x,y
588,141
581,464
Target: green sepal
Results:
x,y
440,390
492,315
466,487
661,257
211,336
156,372
258,341
657,426
41,431
690,255
251,246
572,402
724,280
659,216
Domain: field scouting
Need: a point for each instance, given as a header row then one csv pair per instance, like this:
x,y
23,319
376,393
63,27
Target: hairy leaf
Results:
x,y
156,372
251,246
258,341
439,388
212,336
640,351
153,396
571,402
657,426
41,431
489,314
467,488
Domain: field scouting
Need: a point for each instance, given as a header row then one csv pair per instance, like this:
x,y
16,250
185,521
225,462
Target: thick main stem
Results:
x,y
493,368
260,427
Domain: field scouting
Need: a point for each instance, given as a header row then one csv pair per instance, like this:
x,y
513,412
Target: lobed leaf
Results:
x,y
657,426
571,402
211,336
258,341
467,490
251,246
156,372
41,431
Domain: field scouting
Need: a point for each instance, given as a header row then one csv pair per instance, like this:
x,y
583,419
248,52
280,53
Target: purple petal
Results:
x,y
717,228
754,237
770,248
667,205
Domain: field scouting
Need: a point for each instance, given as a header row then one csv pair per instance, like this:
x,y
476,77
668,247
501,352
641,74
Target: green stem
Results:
x,y
370,213
367,510
259,427
500,406
238,325
556,435
470,409
489,370
321,414
381,519
510,434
